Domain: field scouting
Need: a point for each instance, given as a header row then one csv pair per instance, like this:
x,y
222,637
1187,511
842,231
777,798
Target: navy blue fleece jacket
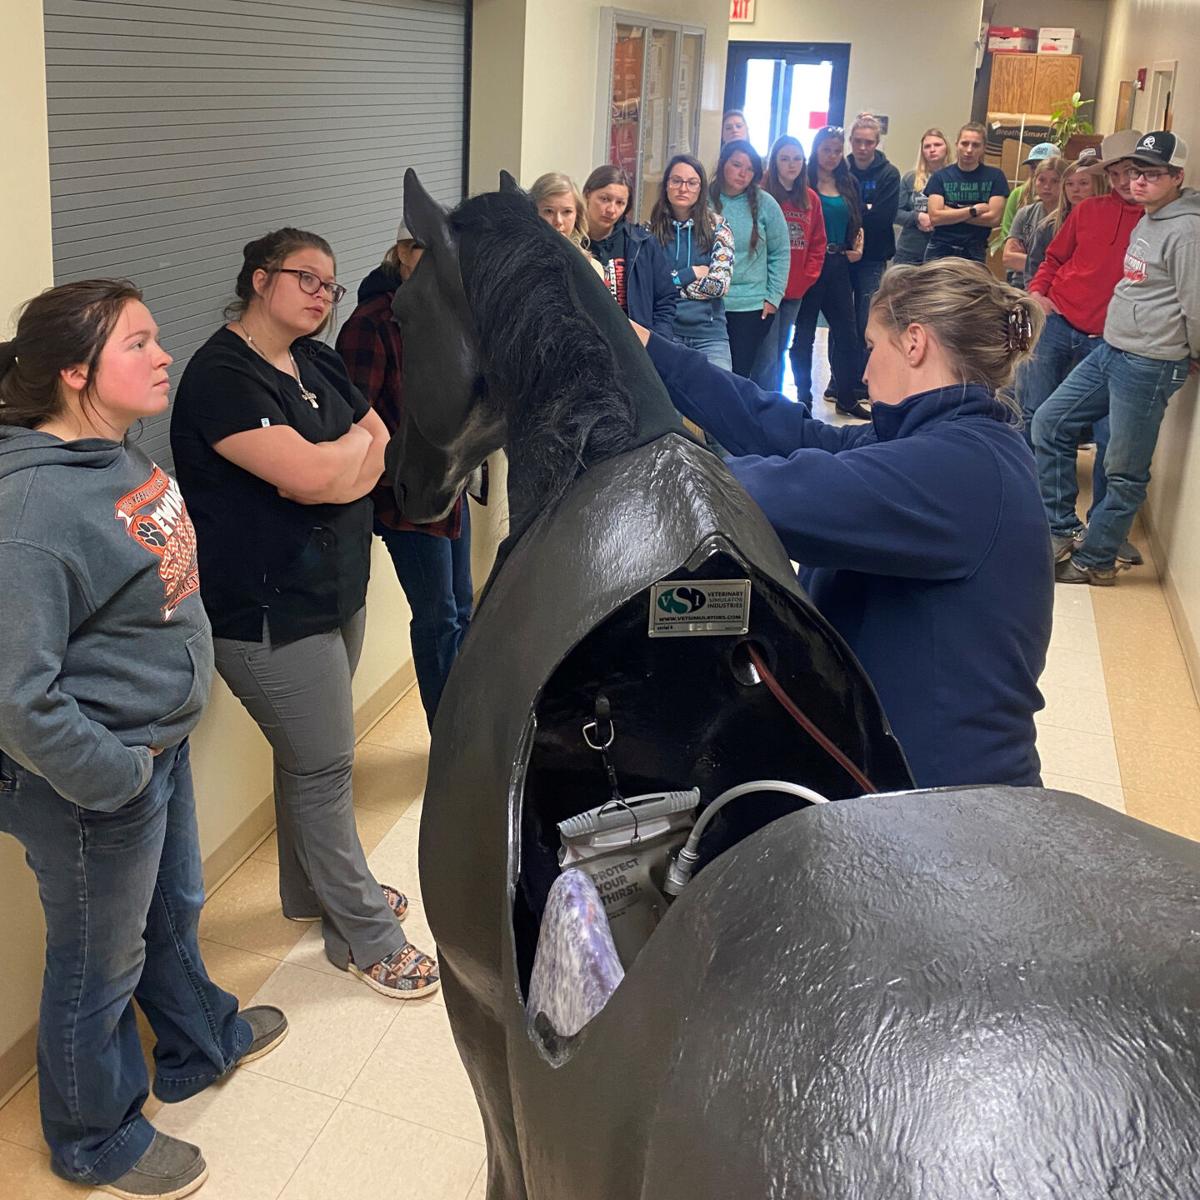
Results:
x,y
922,540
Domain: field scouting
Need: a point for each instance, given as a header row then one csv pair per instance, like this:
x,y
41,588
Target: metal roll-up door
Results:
x,y
181,129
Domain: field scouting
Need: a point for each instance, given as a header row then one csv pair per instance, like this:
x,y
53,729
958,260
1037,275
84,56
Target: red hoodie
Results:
x,y
1086,260
806,228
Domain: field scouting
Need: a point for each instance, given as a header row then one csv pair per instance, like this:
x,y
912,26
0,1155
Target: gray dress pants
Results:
x,y
299,695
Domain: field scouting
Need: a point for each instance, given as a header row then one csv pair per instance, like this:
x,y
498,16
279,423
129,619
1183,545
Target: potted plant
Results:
x,y
1070,132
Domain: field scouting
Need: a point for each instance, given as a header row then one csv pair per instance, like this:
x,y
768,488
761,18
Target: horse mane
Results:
x,y
568,407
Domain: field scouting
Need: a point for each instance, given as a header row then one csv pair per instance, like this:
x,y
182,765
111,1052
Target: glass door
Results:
x,y
658,141
650,74
787,87
625,109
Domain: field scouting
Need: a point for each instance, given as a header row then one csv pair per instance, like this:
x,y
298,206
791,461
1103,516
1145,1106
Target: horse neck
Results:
x,y
655,417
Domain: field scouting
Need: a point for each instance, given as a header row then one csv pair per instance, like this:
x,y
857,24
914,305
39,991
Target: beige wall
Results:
x,y
1141,33
915,63
549,122
27,268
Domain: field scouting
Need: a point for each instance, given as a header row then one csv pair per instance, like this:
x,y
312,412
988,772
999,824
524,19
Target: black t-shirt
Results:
x,y
302,566
961,189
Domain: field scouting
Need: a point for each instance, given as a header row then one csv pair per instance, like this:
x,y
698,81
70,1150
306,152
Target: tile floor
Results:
x,y
332,1115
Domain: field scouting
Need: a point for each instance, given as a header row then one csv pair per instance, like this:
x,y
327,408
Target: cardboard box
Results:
x,y
1006,39
1053,40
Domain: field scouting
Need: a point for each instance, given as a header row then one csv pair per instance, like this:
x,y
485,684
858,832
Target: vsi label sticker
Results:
x,y
699,607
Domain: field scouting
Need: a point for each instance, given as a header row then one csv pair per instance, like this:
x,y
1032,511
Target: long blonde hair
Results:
x,y
1029,195
921,171
1099,188
555,183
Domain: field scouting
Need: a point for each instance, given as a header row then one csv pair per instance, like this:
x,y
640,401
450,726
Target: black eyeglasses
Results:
x,y
313,285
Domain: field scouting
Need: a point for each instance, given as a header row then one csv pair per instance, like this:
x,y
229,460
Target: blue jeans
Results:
x,y
711,340
1132,392
768,366
122,893
435,573
1058,351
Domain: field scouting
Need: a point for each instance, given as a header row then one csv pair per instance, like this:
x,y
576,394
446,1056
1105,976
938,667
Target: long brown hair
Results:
x,y
701,214
65,326
846,184
740,145
797,197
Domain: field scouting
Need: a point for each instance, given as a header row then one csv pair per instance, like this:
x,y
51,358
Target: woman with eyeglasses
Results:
x,y
277,452
699,248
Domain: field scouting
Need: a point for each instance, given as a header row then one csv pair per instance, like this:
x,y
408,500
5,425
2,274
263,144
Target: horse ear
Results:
x,y
423,215
509,185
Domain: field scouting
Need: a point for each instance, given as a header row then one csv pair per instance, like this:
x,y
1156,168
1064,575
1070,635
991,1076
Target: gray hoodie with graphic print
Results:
x,y
1155,311
105,650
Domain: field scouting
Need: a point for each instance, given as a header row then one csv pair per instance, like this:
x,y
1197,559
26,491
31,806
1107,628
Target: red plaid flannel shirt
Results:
x,y
370,346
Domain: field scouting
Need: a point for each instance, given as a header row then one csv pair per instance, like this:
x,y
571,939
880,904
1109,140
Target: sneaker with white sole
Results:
x,y
269,1027
169,1169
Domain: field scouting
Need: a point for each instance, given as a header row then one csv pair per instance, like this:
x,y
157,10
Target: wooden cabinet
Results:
x,y
1032,83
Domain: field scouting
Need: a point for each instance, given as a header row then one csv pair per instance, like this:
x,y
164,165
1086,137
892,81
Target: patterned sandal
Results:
x,y
405,974
397,901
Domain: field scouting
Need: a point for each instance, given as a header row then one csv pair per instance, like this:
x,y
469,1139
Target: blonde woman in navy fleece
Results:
x,y
921,535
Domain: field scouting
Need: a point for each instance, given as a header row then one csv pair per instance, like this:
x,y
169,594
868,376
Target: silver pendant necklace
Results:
x,y
305,393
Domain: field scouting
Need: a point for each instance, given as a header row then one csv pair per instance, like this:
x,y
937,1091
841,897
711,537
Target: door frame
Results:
x,y
740,53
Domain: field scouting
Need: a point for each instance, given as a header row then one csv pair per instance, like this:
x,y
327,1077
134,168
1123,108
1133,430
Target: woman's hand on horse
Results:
x,y
769,309
643,334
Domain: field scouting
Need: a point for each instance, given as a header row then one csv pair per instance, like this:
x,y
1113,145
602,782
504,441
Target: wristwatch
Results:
x,y
972,211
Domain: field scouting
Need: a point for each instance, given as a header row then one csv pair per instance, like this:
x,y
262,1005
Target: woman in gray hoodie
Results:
x,y
105,664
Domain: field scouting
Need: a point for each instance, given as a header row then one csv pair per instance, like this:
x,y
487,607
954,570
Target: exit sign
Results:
x,y
741,10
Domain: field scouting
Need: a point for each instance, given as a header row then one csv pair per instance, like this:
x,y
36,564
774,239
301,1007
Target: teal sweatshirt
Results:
x,y
763,275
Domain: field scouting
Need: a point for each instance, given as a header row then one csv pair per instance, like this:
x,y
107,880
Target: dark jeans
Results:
x,y
435,573
975,252
864,283
831,295
747,332
122,893
1132,392
1059,350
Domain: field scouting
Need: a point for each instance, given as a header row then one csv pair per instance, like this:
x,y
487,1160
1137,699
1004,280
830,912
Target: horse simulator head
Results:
x,y
510,339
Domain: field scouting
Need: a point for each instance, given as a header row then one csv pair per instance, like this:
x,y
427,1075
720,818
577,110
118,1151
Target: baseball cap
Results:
x,y
1162,148
1117,146
403,235
1042,150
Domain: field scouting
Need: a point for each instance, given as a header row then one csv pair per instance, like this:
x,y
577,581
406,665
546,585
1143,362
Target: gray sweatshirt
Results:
x,y
105,650
1155,311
